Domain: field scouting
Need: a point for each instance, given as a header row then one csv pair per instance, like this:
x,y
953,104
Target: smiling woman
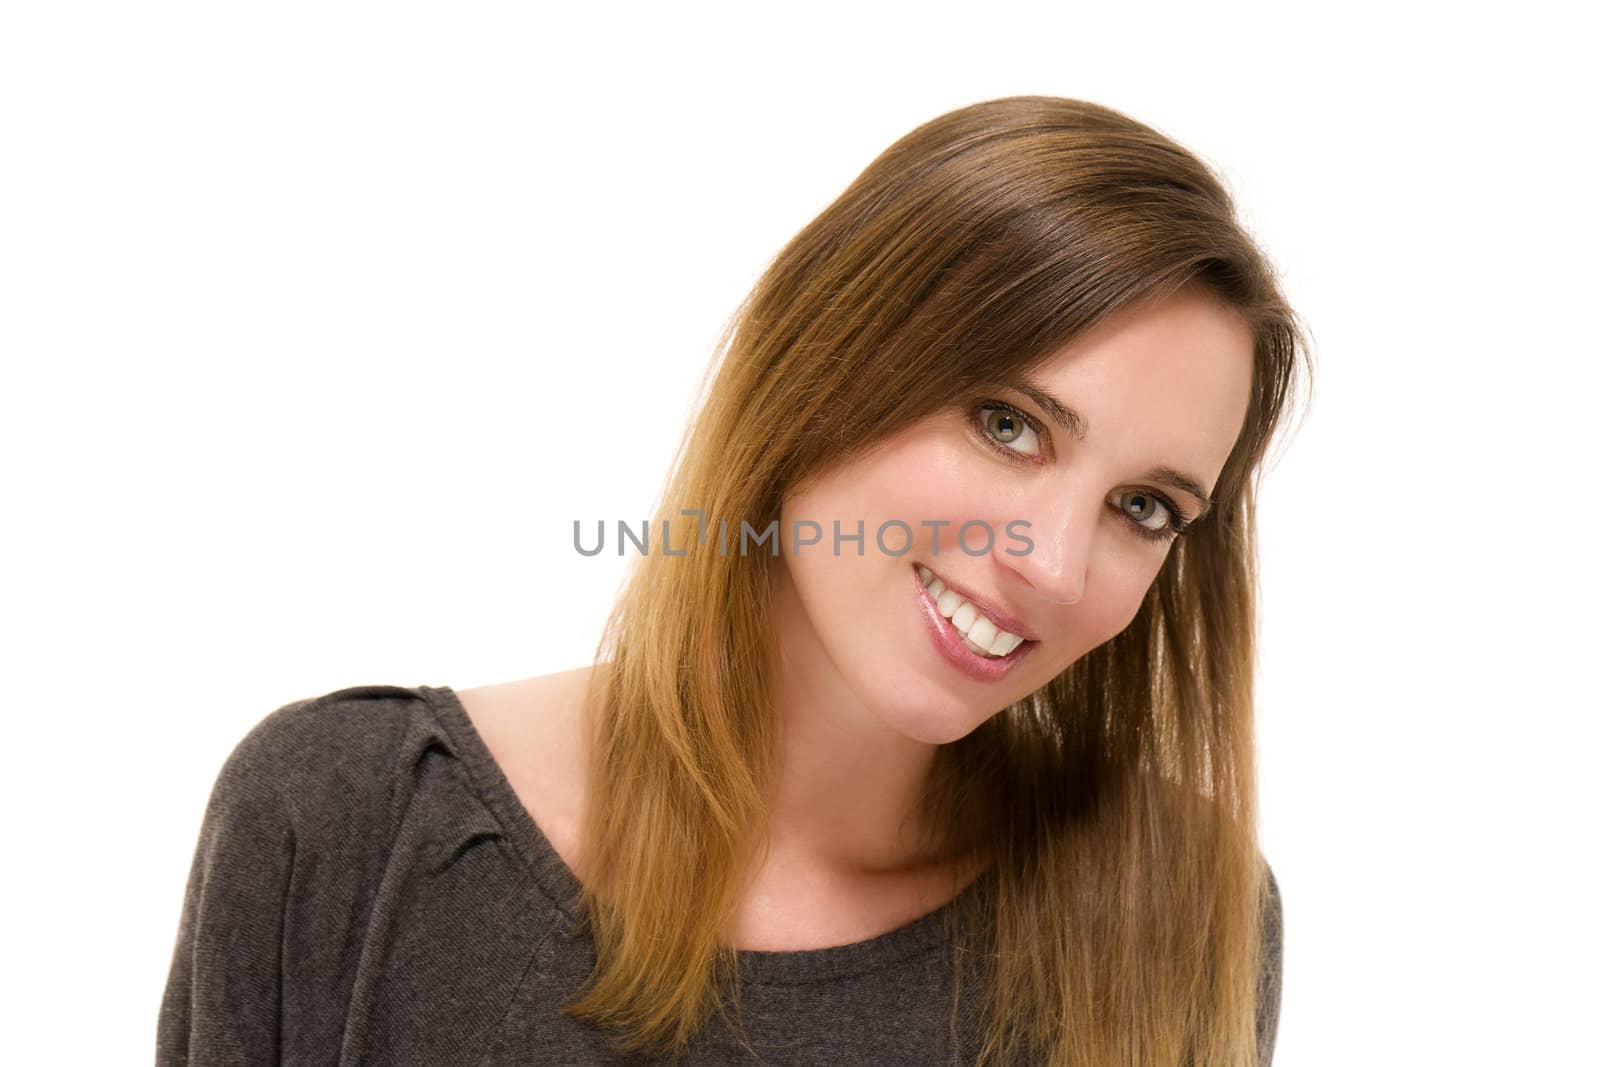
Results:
x,y
1167,380
934,798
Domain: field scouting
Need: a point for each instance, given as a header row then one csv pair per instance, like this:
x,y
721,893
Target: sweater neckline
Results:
x,y
561,884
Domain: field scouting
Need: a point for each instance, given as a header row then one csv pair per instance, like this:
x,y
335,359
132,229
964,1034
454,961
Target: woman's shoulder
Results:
x,y
325,752
357,721
1271,920
352,755
527,702
326,820
1269,990
538,714
533,732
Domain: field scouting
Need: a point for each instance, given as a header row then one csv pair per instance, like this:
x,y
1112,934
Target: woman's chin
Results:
x,y
935,720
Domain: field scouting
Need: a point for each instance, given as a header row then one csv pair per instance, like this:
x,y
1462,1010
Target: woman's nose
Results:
x,y
1056,565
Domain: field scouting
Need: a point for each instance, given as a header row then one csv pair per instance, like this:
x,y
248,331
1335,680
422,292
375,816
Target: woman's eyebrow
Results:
x,y
1065,417
1070,420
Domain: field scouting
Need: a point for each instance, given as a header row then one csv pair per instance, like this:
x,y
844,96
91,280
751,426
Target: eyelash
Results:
x,y
1176,526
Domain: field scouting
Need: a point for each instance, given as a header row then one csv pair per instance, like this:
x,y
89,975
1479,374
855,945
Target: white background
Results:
x,y
321,323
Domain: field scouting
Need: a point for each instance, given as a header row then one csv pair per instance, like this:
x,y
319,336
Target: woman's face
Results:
x,y
1163,385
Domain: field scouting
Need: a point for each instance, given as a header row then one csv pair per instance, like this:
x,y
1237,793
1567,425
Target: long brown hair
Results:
x,y
1118,801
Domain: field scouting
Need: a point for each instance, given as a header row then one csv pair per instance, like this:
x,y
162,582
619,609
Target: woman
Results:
x,y
923,734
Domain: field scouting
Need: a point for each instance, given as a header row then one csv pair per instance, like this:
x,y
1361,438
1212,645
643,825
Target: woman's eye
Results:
x,y
1007,427
1140,507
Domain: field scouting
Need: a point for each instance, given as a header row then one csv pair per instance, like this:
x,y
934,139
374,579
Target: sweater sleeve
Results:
x,y
1269,994
221,1001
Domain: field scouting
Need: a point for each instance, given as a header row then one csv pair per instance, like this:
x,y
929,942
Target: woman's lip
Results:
x,y
952,647
1005,621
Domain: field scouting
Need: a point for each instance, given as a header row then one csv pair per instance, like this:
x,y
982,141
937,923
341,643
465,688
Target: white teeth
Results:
x,y
1005,644
979,632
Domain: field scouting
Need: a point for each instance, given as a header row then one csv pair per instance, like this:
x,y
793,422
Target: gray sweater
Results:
x,y
368,889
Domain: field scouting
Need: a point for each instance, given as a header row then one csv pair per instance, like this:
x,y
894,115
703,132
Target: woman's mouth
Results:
x,y
965,634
